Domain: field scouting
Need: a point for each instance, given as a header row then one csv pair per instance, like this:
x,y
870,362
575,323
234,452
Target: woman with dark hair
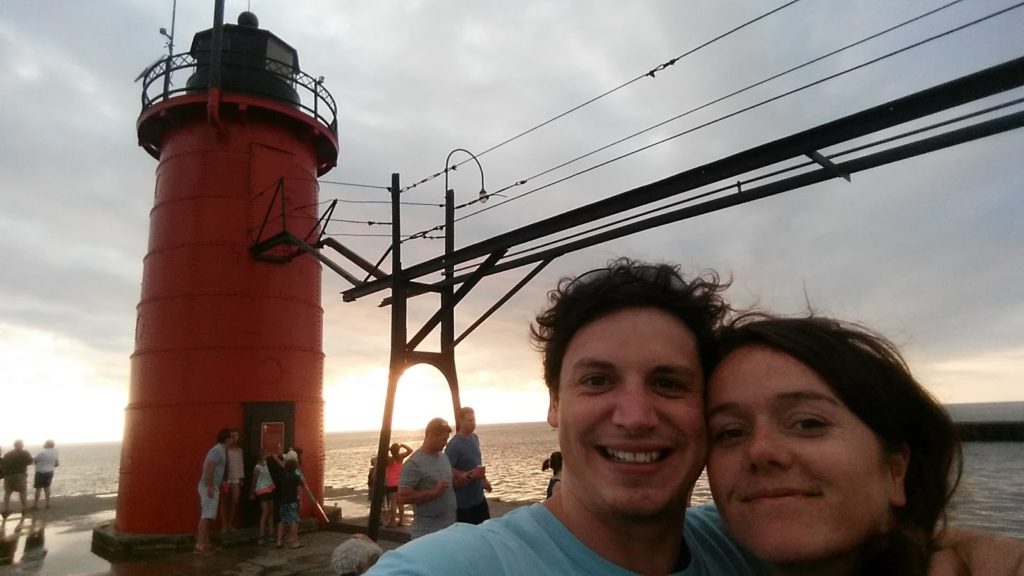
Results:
x,y
392,473
262,489
827,456
554,463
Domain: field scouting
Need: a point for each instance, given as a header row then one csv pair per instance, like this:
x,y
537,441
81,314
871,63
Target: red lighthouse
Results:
x,y
223,339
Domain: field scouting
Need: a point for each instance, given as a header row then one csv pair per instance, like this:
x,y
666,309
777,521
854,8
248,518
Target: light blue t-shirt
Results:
x,y
219,455
421,471
530,540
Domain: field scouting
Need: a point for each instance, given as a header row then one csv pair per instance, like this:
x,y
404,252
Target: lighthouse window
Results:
x,y
281,52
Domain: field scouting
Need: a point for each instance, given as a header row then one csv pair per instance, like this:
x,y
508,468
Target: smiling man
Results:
x,y
624,352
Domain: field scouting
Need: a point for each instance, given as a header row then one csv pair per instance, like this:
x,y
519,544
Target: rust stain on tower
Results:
x,y
222,339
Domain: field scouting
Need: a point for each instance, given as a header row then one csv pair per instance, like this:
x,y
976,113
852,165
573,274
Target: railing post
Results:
x,y
167,77
316,99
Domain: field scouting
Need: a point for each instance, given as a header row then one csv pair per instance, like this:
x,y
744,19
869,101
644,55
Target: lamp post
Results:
x,y
448,293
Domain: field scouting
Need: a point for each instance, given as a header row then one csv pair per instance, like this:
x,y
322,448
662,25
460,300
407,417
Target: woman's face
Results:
x,y
797,477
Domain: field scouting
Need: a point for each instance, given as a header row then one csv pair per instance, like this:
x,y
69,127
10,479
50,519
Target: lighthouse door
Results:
x,y
272,436
269,425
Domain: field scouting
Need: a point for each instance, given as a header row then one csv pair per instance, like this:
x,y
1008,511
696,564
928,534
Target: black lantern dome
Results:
x,y
253,61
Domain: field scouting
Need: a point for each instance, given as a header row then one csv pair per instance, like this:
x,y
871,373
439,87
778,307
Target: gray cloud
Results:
x,y
928,250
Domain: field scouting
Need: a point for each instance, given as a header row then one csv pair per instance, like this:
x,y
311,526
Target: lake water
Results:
x,y
991,494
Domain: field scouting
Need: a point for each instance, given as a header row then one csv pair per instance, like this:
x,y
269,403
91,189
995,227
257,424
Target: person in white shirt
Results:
x,y
46,462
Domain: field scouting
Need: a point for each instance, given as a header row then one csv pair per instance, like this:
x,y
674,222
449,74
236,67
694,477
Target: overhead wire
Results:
x,y
359,235
346,201
747,108
367,222
352,185
650,73
297,210
523,181
388,202
426,233
741,183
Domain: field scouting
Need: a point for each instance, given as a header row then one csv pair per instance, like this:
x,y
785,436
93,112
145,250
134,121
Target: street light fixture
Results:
x,y
448,292
483,192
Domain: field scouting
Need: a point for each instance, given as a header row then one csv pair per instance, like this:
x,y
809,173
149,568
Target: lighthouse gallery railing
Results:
x,y
167,77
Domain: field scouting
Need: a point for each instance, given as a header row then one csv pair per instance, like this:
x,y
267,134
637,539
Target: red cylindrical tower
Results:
x,y
223,339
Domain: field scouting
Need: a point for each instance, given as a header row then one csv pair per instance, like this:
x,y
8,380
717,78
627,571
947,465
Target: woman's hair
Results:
x,y
554,463
871,378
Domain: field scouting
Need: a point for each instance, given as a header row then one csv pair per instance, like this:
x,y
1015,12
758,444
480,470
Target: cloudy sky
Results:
x,y
930,250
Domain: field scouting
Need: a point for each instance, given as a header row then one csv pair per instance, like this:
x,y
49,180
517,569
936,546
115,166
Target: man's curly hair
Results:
x,y
626,283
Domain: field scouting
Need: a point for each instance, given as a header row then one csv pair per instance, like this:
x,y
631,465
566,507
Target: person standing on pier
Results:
x,y
209,489
15,469
288,488
46,463
263,488
554,463
234,475
426,482
392,473
468,472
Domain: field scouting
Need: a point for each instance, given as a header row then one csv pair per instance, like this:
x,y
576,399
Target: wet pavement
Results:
x,y
32,545
312,559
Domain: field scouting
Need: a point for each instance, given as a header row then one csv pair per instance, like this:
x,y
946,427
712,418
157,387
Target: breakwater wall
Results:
x,y
991,431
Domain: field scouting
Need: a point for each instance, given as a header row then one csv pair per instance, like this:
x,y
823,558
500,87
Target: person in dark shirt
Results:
x,y
15,468
288,491
275,465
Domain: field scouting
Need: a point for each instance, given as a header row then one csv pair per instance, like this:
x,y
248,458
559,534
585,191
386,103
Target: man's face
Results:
x,y
435,442
467,423
630,415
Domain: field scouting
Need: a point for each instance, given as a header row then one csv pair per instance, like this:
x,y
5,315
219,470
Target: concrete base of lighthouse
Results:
x,y
112,545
